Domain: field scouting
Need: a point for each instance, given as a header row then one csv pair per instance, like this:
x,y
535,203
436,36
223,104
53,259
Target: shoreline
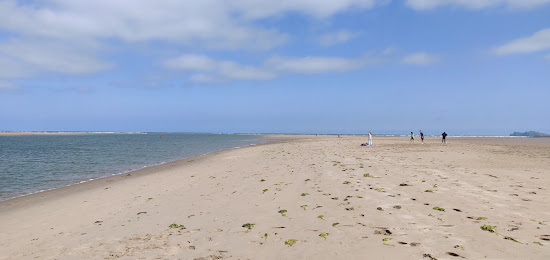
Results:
x,y
394,200
152,169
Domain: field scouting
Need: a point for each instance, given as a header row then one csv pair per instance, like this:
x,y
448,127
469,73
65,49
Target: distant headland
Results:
x,y
530,134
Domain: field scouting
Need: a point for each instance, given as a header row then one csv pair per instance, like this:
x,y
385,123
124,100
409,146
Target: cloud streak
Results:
x,y
537,42
66,36
475,4
420,58
339,37
211,70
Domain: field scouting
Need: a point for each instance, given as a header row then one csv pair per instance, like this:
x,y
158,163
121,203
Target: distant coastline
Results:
x,y
13,133
530,134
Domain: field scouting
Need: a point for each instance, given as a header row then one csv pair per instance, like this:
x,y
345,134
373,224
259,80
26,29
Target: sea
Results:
x,y
35,163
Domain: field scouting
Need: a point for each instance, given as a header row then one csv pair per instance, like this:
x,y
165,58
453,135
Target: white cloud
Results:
x,y
313,65
202,78
51,56
218,69
420,58
235,71
333,38
537,42
216,23
43,33
191,62
4,85
389,50
211,70
475,4
254,9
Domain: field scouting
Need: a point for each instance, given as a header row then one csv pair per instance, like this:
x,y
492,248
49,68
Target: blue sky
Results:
x,y
323,66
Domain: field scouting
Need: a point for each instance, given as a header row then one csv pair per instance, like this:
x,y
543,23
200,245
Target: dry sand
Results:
x,y
298,190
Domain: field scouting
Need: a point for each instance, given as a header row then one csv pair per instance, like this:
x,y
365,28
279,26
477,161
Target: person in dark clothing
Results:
x,y
444,135
422,136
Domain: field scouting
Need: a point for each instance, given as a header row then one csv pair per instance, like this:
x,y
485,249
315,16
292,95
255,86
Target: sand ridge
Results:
x,y
327,196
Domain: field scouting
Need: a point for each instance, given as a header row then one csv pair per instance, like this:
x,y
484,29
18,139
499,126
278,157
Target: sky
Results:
x,y
467,67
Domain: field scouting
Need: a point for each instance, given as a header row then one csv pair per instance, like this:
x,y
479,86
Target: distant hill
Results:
x,y
529,134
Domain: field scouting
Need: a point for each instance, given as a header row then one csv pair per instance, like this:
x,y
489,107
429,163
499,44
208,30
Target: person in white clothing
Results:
x,y
370,138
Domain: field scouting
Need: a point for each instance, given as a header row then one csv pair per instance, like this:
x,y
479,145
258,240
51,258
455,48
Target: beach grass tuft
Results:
x,y
290,242
248,225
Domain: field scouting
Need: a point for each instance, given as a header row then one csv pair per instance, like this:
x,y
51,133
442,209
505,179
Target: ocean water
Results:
x,y
34,163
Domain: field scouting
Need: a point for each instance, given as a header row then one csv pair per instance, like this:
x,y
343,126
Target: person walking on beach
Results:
x,y
422,136
412,137
370,138
444,135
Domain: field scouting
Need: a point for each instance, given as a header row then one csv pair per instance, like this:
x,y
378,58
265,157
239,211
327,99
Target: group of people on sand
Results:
x,y
443,135
443,140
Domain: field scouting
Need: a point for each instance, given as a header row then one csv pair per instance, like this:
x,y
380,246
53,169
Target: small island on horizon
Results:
x,y
530,134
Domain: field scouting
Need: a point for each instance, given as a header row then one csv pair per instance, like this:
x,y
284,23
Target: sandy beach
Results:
x,y
303,197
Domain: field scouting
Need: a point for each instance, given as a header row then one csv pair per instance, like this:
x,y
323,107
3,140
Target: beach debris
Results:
x,y
367,175
379,189
283,212
538,243
438,208
481,218
279,227
383,231
148,199
402,243
262,180
429,256
291,242
397,207
176,226
321,217
457,210
307,180
405,184
346,182
324,235
98,222
387,239
435,186
348,209
512,239
265,236
491,229
318,206
142,212
304,194
428,191
454,254
544,237
335,224
248,225
335,198
264,191
415,244
380,208
304,207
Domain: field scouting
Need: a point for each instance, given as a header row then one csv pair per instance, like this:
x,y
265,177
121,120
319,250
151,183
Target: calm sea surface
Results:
x,y
29,164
